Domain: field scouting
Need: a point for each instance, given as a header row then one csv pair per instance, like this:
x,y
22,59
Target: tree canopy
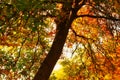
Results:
x,y
35,34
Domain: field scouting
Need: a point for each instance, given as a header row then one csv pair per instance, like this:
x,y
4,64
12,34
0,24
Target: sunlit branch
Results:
x,y
94,59
92,16
91,53
81,58
17,58
100,9
78,6
35,51
106,56
75,49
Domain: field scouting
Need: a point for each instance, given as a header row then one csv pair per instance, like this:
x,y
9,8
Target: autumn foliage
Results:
x,y
28,30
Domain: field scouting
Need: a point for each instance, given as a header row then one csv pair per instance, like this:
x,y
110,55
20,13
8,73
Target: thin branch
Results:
x,y
46,1
35,51
56,1
81,36
76,47
93,16
17,58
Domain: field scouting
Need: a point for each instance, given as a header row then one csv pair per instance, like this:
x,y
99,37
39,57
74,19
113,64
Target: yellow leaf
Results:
x,y
107,77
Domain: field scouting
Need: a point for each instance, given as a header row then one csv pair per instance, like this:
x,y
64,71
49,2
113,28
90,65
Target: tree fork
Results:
x,y
56,50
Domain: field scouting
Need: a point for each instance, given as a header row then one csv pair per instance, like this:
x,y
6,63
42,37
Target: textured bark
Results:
x,y
57,46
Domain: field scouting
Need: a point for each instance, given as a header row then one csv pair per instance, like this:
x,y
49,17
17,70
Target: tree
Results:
x,y
49,62
93,23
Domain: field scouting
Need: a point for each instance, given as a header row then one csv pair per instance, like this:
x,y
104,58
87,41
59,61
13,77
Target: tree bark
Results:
x,y
54,54
56,50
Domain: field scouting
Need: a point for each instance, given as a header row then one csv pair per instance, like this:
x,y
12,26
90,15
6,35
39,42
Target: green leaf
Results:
x,y
34,29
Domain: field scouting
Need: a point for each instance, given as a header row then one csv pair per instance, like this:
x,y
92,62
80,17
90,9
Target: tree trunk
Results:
x,y
57,46
54,54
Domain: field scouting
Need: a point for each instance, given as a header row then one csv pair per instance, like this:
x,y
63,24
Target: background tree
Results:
x,y
93,28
